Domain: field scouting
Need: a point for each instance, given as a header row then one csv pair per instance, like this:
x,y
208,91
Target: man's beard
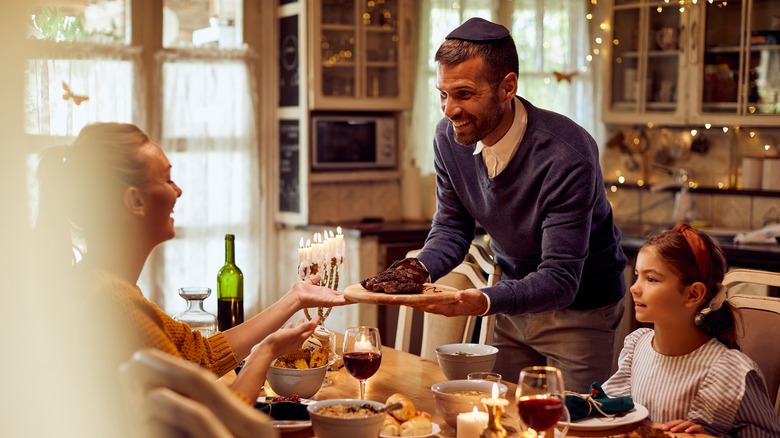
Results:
x,y
483,126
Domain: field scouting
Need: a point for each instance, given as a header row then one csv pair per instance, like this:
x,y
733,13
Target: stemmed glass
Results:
x,y
541,399
362,354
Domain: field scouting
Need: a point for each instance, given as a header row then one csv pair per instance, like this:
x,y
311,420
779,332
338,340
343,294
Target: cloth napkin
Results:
x,y
596,404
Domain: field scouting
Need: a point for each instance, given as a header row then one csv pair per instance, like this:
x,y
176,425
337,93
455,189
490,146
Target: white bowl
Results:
x,y
450,404
326,426
289,381
458,360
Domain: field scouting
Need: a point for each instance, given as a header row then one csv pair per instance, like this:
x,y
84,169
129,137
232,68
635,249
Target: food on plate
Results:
x,y
348,410
416,426
303,359
646,432
407,420
403,276
391,426
407,409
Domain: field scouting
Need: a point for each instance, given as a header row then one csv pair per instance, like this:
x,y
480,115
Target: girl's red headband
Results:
x,y
699,248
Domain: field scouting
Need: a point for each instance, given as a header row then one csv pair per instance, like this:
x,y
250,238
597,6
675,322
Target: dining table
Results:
x,y
413,376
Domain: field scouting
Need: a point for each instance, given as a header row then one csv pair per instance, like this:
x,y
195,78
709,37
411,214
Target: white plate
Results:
x,y
291,425
635,415
434,430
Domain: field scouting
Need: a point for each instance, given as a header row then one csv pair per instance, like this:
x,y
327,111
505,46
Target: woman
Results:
x,y
117,206
688,370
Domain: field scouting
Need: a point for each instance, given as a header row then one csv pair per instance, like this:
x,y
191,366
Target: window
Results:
x,y
551,36
199,70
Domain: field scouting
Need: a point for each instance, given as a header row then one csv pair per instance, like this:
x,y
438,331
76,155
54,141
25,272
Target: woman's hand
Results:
x,y
682,426
307,294
285,340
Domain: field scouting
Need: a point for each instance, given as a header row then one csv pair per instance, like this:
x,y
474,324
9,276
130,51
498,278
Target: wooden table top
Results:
x,y
413,376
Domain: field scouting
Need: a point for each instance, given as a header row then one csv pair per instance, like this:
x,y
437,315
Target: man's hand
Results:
x,y
469,302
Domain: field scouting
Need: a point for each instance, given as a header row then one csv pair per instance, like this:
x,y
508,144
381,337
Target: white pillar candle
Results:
x,y
471,424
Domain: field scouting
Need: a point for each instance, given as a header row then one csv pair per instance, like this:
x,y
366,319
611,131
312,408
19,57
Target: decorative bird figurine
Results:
x,y
565,76
68,95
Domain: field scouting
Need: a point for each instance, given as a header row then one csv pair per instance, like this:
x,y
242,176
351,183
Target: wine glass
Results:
x,y
362,354
541,399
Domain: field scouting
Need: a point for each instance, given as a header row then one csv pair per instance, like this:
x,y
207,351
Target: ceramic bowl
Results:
x,y
458,360
326,426
455,397
289,381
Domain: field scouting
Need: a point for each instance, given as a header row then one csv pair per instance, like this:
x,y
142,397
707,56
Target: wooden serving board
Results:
x,y
432,294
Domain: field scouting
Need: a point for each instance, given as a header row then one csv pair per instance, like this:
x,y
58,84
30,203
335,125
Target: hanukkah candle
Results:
x,y
324,256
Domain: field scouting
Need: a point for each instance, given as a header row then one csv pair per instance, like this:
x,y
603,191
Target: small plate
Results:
x,y
288,425
285,426
435,429
431,294
635,415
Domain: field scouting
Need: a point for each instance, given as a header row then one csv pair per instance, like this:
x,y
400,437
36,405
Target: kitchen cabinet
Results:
x,y
360,53
710,62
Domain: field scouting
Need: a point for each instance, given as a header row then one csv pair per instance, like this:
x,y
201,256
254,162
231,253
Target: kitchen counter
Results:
x,y
412,235
754,256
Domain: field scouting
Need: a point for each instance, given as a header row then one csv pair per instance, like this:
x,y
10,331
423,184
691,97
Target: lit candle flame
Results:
x,y
495,390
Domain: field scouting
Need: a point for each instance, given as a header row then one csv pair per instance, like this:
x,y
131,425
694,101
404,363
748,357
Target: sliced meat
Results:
x,y
403,276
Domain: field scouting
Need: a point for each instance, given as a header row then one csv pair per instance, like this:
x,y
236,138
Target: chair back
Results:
x,y
170,396
438,329
760,317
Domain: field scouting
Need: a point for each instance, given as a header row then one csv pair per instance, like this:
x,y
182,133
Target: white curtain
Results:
x,y
106,75
207,130
551,36
209,134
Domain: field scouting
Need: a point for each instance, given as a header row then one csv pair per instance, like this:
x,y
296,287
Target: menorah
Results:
x,y
324,257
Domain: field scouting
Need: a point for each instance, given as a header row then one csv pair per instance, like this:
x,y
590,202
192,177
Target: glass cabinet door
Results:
x,y
663,59
722,57
338,50
359,49
625,61
380,21
762,91
645,62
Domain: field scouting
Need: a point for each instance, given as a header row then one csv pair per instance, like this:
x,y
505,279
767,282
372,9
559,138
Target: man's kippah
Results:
x,y
478,30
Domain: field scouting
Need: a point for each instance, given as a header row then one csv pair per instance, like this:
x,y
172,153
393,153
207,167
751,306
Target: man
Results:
x,y
531,179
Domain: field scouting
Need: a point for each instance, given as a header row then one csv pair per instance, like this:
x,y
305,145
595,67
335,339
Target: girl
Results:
x,y
688,370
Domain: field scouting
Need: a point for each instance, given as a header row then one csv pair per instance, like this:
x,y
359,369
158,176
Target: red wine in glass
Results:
x,y
362,365
540,412
362,354
540,400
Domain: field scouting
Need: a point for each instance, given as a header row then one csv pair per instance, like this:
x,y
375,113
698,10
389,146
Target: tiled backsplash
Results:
x,y
651,158
354,201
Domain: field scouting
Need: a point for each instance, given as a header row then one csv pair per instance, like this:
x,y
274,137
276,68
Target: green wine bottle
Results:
x,y
230,289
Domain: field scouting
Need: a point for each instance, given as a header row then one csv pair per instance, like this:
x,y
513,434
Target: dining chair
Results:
x,y
478,270
169,396
760,318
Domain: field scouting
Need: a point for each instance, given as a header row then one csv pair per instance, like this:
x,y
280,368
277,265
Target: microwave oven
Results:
x,y
359,142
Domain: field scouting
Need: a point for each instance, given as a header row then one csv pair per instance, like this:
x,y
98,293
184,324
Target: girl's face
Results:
x,y
658,293
159,194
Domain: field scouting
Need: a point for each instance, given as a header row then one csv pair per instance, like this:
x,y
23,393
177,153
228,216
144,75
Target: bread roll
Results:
x,y
417,425
407,409
391,426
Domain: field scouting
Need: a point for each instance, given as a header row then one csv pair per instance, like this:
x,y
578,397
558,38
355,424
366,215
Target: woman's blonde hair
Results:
x,y
81,185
